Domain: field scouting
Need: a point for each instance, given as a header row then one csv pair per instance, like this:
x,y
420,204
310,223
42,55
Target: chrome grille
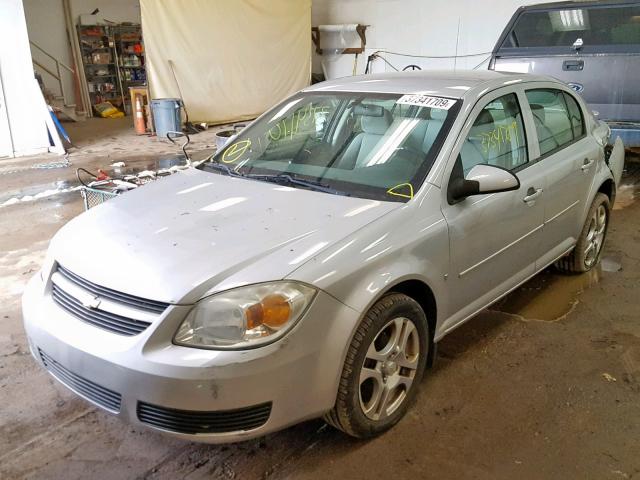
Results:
x,y
107,399
100,318
103,307
194,422
130,300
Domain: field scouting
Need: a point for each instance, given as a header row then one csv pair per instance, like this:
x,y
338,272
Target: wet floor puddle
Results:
x,y
37,192
550,296
629,189
132,166
626,195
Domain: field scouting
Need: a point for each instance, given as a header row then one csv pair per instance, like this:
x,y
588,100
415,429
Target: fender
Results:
x,y
602,175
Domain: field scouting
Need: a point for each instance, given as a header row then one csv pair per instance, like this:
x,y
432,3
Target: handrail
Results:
x,y
56,75
51,56
35,62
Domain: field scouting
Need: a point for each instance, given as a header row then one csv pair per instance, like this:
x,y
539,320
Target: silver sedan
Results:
x,y
311,266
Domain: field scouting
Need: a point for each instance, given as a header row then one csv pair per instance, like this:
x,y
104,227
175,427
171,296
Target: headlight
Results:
x,y
245,317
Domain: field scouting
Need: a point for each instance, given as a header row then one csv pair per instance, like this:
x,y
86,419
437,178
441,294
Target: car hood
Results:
x,y
194,233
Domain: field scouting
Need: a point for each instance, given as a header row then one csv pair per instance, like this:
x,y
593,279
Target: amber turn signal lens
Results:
x,y
273,311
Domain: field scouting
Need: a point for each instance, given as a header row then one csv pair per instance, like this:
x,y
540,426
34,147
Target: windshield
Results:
x,y
576,27
373,146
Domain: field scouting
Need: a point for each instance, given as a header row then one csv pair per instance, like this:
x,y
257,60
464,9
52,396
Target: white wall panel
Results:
x,y
28,130
420,27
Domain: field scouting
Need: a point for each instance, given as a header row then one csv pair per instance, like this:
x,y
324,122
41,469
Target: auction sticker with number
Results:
x,y
427,101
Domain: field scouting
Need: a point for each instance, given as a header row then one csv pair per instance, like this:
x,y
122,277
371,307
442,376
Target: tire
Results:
x,y
588,249
389,380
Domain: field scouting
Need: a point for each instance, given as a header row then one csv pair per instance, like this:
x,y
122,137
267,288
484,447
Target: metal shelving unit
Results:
x,y
113,60
98,60
130,59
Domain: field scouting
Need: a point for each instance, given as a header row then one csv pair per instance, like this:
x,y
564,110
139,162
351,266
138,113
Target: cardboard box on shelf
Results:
x,y
101,57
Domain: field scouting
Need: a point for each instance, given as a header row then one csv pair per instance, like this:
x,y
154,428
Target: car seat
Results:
x,y
546,138
475,149
375,123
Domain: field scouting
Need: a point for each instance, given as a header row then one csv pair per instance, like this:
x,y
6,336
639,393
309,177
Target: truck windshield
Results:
x,y
376,146
576,27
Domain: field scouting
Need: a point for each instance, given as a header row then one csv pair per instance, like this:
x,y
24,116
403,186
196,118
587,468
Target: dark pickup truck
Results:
x,y
594,47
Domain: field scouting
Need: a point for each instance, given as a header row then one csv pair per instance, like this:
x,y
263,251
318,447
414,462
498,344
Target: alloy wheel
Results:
x,y
595,236
389,368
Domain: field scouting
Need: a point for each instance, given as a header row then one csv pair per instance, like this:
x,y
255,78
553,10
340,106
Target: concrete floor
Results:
x,y
544,384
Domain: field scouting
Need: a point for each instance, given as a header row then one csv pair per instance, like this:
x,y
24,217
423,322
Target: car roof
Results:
x,y
446,83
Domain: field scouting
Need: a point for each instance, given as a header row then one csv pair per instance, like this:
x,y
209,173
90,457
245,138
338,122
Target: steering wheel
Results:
x,y
409,154
411,67
409,150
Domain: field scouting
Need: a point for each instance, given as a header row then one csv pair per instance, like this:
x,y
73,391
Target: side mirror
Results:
x,y
483,179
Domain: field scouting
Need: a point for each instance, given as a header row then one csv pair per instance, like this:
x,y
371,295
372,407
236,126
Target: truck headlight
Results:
x,y
245,317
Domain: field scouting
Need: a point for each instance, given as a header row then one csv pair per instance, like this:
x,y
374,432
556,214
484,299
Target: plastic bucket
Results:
x,y
223,137
166,115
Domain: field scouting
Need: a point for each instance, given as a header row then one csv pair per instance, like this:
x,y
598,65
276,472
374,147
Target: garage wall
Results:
x,y
46,27
419,27
115,10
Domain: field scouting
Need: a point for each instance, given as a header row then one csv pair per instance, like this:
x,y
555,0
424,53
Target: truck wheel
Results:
x,y
588,249
383,368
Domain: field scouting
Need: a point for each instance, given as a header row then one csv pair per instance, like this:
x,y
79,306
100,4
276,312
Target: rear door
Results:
x,y
595,48
568,157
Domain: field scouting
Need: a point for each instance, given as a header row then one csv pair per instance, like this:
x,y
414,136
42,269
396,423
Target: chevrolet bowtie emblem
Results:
x,y
92,303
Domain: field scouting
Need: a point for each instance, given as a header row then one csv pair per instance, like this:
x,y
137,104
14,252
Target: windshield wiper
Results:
x,y
223,168
285,178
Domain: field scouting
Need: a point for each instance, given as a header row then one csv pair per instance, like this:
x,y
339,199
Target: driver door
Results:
x,y
494,238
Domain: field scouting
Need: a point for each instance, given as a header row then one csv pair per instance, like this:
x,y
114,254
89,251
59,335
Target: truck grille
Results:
x,y
105,398
194,422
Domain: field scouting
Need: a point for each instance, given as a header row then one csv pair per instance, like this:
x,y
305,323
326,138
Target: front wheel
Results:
x,y
588,249
384,365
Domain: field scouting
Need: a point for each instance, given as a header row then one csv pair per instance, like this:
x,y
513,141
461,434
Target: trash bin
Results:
x,y
166,115
223,137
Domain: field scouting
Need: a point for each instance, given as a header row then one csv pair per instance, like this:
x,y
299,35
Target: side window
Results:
x,y
551,117
497,136
575,115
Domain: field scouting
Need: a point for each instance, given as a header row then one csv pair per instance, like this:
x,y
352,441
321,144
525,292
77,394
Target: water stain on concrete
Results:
x,y
611,264
628,191
625,196
36,192
133,166
547,297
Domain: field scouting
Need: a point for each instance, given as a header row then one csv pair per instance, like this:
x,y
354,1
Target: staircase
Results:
x,y
67,112
58,100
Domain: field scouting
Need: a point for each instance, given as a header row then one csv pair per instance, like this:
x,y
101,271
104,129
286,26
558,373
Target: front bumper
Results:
x,y
147,380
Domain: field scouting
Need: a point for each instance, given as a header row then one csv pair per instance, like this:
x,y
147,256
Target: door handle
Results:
x,y
586,164
573,65
532,194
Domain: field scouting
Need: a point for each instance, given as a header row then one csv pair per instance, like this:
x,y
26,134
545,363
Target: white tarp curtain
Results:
x,y
233,59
